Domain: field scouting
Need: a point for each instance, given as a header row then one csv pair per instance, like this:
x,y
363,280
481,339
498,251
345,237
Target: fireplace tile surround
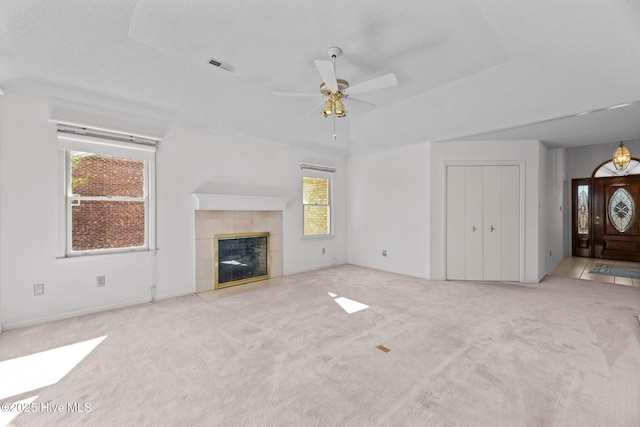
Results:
x,y
208,223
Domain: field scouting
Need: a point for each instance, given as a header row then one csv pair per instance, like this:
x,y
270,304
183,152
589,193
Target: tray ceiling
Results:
x,y
468,69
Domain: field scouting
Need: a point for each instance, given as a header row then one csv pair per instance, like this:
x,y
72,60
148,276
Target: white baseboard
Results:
x,y
174,295
306,270
404,273
70,314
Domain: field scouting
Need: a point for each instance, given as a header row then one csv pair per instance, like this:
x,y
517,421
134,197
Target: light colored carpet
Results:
x,y
563,352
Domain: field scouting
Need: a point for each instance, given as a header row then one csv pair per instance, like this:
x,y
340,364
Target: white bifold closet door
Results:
x,y
483,223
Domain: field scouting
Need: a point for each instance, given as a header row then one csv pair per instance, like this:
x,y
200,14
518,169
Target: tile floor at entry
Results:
x,y
578,268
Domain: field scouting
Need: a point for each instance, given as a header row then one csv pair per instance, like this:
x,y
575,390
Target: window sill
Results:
x,y
105,255
318,237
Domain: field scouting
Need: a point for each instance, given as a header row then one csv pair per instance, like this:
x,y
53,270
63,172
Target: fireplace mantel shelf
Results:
x,y
207,201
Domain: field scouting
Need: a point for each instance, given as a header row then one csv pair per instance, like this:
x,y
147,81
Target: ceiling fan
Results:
x,y
335,90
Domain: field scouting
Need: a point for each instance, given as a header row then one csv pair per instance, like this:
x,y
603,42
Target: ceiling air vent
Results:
x,y
220,64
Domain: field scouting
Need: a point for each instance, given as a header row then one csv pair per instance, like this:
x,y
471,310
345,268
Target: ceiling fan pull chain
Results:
x,y
334,127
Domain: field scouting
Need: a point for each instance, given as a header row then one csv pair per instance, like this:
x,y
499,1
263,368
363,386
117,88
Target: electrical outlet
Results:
x,y
38,289
100,281
384,252
323,251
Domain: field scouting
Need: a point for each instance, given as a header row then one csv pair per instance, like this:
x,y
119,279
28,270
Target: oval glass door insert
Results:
x,y
621,210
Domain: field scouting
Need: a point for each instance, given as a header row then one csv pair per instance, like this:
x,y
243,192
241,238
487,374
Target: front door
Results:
x,y
616,224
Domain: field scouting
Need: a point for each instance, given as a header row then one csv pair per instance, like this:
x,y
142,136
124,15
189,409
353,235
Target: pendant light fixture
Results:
x,y
621,157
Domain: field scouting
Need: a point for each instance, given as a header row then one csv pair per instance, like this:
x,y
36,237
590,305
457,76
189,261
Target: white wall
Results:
x,y
28,218
485,151
188,160
551,220
399,194
191,160
388,199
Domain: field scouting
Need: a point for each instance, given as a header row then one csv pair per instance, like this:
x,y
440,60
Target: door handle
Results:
x,y
492,228
473,228
597,219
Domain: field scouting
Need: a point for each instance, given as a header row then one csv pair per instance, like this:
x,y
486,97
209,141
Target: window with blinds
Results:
x,y
108,203
317,200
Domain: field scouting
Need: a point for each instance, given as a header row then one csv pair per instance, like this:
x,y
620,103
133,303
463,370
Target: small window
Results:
x,y
608,169
583,209
316,200
107,204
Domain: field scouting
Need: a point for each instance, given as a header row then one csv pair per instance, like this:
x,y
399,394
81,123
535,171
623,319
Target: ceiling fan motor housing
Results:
x,y
342,85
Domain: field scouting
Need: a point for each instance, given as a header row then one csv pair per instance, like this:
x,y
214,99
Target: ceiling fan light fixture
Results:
x,y
328,108
621,157
333,89
339,108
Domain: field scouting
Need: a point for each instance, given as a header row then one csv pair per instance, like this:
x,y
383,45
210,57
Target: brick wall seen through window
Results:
x,y
106,224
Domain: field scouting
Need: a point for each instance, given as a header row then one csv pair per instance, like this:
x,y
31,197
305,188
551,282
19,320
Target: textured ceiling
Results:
x,y
483,69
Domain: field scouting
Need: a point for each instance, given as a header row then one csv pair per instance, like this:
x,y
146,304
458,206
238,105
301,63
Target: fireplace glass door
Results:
x,y
240,258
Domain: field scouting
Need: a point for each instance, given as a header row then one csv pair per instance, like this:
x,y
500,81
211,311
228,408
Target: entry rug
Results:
x,y
615,270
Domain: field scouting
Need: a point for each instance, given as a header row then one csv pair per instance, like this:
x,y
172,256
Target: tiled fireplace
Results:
x,y
213,217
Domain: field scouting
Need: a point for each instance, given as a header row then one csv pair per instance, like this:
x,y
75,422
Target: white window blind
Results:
x,y
72,136
317,171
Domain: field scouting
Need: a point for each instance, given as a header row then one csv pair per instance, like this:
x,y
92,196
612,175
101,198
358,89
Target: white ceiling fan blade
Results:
x,y
374,84
358,106
316,108
325,68
306,95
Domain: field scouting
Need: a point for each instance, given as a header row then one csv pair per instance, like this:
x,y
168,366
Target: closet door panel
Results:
x,y
483,223
455,222
473,239
510,214
492,222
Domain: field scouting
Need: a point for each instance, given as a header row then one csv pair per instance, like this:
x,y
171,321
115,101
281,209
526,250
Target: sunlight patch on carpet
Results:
x,y
38,370
348,305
